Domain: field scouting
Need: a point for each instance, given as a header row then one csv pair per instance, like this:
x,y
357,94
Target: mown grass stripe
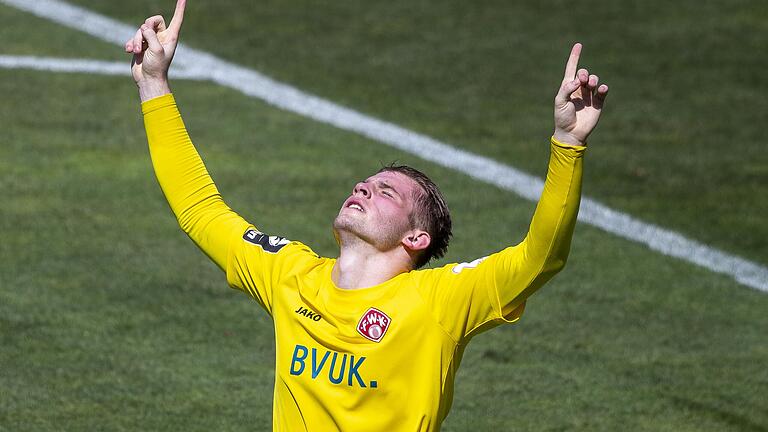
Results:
x,y
291,99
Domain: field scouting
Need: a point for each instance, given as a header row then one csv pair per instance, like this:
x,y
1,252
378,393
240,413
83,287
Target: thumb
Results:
x,y
151,37
564,94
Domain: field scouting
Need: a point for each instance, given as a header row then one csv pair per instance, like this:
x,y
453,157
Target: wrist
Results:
x,y
152,88
566,138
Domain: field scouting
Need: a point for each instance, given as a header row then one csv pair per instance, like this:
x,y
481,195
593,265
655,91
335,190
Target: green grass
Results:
x,y
679,145
110,319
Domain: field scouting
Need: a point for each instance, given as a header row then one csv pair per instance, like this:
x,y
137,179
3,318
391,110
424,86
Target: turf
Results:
x,y
110,319
679,145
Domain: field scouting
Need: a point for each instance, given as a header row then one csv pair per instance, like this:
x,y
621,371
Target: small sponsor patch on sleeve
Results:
x,y
467,265
271,244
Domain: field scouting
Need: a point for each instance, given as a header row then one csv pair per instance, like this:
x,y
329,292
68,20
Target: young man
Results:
x,y
365,341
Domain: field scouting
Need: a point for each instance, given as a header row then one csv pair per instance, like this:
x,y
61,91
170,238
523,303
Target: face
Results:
x,y
378,211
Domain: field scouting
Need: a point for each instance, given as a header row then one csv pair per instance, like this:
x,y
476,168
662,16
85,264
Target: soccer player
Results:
x,y
366,341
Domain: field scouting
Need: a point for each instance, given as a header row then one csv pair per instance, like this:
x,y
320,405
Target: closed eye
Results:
x,y
388,190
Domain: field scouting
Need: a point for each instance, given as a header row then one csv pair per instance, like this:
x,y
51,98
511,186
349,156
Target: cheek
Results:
x,y
396,215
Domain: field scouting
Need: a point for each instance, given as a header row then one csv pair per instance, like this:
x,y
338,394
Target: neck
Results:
x,y
361,265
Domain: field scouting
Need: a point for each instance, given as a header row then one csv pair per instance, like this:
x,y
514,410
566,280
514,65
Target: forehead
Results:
x,y
401,182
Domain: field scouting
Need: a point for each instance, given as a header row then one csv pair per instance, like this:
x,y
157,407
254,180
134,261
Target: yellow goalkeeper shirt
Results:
x,y
381,358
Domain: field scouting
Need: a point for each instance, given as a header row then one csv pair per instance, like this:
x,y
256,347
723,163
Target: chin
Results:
x,y
349,230
342,222
347,224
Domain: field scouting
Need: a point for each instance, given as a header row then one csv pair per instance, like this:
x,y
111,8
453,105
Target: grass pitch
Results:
x,y
110,319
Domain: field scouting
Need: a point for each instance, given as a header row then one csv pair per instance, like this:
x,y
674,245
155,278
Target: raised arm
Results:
x,y
189,189
471,297
577,108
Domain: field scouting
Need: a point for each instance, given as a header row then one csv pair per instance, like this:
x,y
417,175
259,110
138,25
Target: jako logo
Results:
x,y
373,325
314,316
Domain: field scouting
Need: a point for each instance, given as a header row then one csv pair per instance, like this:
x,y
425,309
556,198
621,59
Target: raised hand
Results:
x,y
153,48
578,103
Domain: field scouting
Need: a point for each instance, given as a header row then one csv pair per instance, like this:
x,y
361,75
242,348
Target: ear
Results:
x,y
416,240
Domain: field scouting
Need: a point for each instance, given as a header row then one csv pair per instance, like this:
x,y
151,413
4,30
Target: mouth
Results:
x,y
355,205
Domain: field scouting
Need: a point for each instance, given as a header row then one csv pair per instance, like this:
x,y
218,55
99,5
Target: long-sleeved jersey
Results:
x,y
381,358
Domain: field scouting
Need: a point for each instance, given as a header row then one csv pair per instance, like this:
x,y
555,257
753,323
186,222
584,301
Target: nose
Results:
x,y
362,189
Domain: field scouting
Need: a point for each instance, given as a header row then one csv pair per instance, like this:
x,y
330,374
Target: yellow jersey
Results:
x,y
381,358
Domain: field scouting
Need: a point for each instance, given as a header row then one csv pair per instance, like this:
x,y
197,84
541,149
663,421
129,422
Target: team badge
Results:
x,y
373,325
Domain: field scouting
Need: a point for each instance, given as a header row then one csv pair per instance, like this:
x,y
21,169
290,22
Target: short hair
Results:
x,y
430,213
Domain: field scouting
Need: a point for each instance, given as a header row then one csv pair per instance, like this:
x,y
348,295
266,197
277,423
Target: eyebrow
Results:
x,y
384,185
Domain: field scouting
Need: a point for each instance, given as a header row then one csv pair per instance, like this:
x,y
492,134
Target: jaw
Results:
x,y
352,231
349,230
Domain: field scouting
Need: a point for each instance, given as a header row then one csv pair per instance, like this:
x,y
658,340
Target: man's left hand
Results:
x,y
578,103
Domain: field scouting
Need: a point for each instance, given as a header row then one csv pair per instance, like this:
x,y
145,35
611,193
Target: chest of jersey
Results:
x,y
359,351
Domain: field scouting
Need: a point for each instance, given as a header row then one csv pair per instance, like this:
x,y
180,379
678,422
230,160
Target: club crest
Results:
x,y
373,325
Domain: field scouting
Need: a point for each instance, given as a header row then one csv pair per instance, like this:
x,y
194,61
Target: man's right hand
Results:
x,y
153,47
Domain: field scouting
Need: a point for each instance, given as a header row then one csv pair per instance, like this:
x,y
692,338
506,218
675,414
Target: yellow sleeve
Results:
x,y
470,297
249,257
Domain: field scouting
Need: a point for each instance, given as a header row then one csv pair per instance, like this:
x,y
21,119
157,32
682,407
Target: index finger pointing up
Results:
x,y
573,62
178,16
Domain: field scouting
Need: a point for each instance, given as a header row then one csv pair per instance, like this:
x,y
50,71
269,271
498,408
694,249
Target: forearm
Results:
x,y
522,269
189,189
549,238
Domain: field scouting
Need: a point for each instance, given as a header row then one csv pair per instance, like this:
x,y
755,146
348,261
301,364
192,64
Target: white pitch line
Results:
x,y
52,64
291,99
